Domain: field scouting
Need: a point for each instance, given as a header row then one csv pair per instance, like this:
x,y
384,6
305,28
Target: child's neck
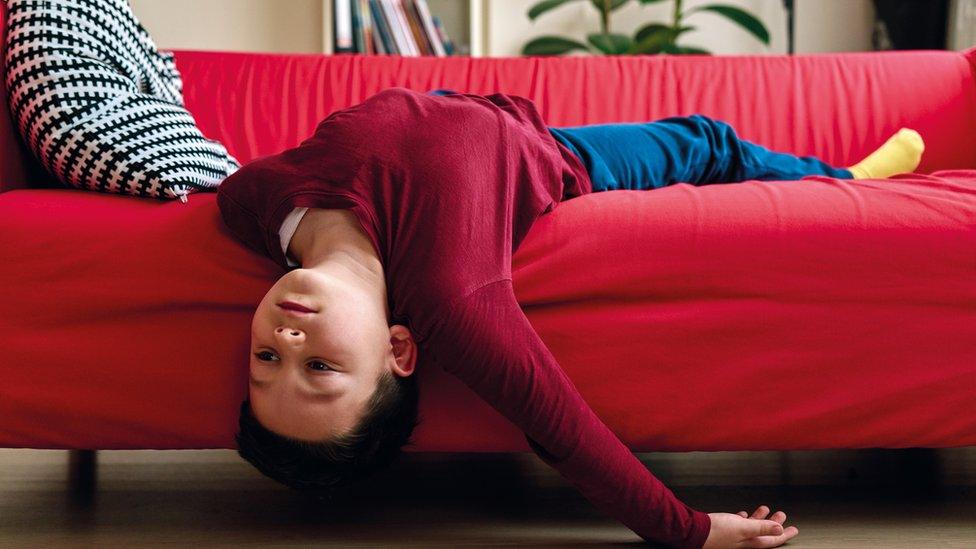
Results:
x,y
332,241
323,233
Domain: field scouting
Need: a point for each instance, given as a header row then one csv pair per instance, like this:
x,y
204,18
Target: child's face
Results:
x,y
312,373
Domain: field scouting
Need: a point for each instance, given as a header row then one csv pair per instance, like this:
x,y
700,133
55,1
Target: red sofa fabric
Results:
x,y
845,312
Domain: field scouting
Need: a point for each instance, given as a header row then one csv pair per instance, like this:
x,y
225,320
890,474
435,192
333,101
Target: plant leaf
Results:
x,y
655,28
653,37
610,44
682,30
652,41
614,4
652,29
739,16
686,50
649,1
544,6
552,45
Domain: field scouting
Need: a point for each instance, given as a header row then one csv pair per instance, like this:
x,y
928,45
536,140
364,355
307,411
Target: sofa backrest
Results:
x,y
837,106
13,159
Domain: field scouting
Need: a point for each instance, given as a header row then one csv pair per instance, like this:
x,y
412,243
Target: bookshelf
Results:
x,y
464,20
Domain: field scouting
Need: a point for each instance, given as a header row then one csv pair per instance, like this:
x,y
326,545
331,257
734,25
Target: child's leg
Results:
x,y
693,149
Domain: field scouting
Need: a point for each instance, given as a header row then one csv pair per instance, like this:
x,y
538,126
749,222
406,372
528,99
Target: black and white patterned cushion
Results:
x,y
100,106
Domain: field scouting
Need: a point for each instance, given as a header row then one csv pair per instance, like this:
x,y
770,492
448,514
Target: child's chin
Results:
x,y
297,280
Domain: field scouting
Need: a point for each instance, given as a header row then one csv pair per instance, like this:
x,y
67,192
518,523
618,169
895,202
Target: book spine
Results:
x,y
342,26
385,40
367,27
412,46
448,43
429,28
417,27
358,44
394,25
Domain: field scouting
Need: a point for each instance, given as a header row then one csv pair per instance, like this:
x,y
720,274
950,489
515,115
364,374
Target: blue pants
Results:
x,y
694,149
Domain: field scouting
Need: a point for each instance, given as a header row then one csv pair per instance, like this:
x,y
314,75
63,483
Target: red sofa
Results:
x,y
764,315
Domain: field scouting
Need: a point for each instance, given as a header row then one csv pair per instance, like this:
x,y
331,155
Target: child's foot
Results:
x,y
900,154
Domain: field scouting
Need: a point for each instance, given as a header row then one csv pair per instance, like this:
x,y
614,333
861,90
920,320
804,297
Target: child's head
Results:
x,y
332,395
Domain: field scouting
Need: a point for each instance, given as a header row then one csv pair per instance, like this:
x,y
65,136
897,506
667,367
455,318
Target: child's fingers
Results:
x,y
743,514
762,511
763,542
756,528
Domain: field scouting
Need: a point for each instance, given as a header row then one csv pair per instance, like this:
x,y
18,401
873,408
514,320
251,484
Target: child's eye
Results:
x,y
319,366
265,355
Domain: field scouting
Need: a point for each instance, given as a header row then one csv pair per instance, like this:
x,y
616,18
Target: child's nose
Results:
x,y
289,332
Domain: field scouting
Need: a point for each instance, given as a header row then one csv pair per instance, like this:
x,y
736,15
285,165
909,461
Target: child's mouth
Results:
x,y
292,306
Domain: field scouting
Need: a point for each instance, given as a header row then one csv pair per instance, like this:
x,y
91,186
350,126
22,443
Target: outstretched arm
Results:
x,y
486,341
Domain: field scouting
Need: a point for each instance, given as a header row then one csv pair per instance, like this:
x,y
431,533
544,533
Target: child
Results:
x,y
403,213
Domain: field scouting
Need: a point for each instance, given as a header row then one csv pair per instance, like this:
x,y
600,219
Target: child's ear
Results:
x,y
404,350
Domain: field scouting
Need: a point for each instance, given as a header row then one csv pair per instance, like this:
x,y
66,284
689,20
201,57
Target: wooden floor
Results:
x,y
843,499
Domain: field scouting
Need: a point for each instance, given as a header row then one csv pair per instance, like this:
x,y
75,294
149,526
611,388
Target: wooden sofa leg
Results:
x,y
82,473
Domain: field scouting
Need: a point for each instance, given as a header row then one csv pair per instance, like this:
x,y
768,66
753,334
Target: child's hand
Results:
x,y
742,531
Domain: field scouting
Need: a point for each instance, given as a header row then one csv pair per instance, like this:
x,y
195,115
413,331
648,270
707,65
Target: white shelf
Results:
x,y
465,22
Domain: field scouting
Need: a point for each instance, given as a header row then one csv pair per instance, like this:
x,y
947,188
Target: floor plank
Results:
x,y
839,499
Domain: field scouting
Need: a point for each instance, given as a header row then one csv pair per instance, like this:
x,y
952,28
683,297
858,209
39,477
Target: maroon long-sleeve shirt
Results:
x,y
447,187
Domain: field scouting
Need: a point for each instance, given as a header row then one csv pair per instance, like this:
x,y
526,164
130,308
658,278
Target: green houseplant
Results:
x,y
651,38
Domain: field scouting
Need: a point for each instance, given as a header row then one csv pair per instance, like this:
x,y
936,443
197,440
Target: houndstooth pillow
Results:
x,y
100,107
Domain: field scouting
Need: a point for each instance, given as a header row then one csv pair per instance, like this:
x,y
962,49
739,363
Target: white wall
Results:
x,y
822,25
962,27
833,25
241,25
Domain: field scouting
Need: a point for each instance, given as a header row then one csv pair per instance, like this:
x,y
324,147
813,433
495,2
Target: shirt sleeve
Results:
x,y
486,340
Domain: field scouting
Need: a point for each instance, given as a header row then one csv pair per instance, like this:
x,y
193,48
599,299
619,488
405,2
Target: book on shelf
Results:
x,y
401,27
361,27
342,26
404,42
430,31
382,38
449,46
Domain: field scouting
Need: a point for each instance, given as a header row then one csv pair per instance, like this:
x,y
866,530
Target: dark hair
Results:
x,y
317,468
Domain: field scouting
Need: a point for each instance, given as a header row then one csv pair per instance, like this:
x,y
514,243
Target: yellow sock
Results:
x,y
901,153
